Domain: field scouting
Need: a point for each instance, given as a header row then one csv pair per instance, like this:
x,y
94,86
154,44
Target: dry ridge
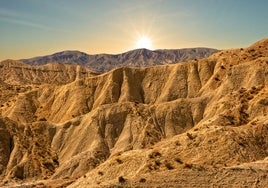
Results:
x,y
194,124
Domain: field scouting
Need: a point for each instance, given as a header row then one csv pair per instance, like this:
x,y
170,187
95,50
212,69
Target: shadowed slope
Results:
x,y
202,118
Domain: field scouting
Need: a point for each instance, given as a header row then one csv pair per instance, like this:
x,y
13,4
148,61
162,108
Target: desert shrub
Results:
x,y
56,161
49,165
190,136
150,167
100,173
121,179
155,154
154,166
217,79
178,143
187,165
42,119
169,166
76,123
157,162
201,168
250,97
263,101
119,161
142,180
178,160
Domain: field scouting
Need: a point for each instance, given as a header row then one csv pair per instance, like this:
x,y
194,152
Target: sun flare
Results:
x,y
144,42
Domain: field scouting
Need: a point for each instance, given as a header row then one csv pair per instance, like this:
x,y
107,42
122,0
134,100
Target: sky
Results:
x,y
30,28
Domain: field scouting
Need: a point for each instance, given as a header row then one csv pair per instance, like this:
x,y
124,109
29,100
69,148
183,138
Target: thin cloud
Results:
x,y
10,16
24,23
8,13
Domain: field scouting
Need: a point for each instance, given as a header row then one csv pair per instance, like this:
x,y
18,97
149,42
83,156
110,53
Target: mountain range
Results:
x,y
134,58
198,123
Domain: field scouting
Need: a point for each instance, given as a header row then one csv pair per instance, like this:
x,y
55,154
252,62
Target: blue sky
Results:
x,y
31,28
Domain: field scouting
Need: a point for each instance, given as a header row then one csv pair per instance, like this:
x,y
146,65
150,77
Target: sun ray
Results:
x,y
144,42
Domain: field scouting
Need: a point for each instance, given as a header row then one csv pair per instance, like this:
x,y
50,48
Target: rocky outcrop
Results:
x,y
203,118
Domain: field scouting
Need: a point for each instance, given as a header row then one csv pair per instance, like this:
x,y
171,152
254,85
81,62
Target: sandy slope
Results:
x,y
198,123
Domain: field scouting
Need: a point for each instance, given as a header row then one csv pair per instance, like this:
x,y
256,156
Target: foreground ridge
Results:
x,y
197,123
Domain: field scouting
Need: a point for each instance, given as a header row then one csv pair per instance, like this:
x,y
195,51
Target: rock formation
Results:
x,y
197,123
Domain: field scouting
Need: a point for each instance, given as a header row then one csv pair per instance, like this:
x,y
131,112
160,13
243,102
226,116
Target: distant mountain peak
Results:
x,y
136,58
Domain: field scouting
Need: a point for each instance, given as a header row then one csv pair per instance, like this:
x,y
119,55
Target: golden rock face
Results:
x,y
202,120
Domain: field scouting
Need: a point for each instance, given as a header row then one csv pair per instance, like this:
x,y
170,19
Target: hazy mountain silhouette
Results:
x,y
134,58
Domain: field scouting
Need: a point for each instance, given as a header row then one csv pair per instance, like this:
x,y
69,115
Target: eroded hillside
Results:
x,y
201,122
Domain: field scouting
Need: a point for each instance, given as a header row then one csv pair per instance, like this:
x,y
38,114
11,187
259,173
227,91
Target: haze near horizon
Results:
x,y
32,28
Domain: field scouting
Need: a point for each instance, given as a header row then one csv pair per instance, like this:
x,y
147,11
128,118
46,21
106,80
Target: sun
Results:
x,y
144,42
